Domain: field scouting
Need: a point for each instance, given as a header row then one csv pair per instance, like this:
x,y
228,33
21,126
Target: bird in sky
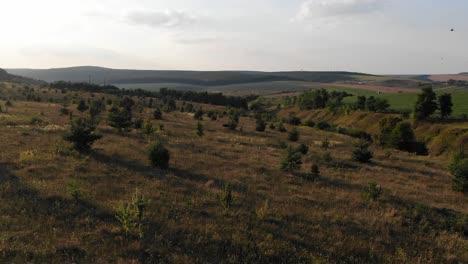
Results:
x,y
452,30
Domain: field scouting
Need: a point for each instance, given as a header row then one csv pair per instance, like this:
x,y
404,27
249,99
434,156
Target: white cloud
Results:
x,y
167,18
319,9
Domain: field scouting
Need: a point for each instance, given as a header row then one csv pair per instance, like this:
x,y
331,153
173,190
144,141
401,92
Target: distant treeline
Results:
x,y
163,94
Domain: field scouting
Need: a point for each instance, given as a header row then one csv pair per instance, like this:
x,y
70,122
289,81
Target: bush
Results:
x,y
322,125
281,127
82,106
293,120
372,192
362,153
120,118
314,172
157,114
303,149
293,135
260,125
459,170
292,161
131,214
226,199
199,114
82,134
199,129
158,155
272,126
310,123
325,143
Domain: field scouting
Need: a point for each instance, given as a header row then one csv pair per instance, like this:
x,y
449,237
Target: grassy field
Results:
x,y
277,217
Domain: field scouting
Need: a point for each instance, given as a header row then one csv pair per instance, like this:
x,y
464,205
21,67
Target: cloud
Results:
x,y
160,19
320,9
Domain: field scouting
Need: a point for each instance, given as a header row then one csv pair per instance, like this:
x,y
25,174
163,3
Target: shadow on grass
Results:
x,y
401,168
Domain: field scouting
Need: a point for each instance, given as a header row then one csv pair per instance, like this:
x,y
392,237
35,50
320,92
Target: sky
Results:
x,y
372,36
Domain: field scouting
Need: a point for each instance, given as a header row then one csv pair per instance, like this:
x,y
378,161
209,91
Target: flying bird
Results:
x,y
452,30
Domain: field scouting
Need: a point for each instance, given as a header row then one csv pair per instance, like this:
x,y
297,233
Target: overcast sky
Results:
x,y
374,36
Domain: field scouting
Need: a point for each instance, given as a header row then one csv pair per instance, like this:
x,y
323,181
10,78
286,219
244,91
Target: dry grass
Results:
x,y
418,219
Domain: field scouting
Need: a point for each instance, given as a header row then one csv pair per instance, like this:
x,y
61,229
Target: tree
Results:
x,y
120,118
426,104
199,129
292,161
403,137
82,134
233,120
361,103
293,135
362,153
95,108
303,149
314,172
158,155
157,114
82,106
445,105
281,127
371,104
199,114
260,124
381,105
459,170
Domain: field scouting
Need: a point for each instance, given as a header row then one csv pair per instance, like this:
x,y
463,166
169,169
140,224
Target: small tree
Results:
x,y
120,118
314,172
82,106
445,105
233,120
82,134
199,129
426,104
131,215
199,114
372,192
148,128
159,155
260,124
292,161
303,148
459,170
293,135
157,114
281,127
226,199
362,153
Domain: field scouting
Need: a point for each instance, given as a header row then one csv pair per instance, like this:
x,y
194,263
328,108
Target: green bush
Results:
x,y
226,198
292,161
373,192
199,129
362,153
293,135
82,134
157,114
159,155
281,127
131,214
459,170
303,149
314,172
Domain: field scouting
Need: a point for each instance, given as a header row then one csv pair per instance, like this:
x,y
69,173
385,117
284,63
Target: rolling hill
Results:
x,y
6,77
205,78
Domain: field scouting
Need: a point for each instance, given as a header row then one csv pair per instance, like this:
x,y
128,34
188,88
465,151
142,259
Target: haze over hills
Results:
x,y
6,77
122,76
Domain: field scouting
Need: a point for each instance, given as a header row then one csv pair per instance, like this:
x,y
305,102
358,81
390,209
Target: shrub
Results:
x,y
322,125
293,135
325,143
362,153
120,118
157,114
82,134
64,111
158,155
281,127
292,161
459,170
131,214
303,148
148,128
310,123
272,126
138,123
262,211
199,129
74,190
82,106
226,198
293,120
260,125
372,192
36,120
199,114
314,172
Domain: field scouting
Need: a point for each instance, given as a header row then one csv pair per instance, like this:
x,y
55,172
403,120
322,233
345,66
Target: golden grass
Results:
x,y
322,221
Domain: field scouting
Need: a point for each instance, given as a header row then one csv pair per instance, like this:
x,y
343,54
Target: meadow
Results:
x,y
59,206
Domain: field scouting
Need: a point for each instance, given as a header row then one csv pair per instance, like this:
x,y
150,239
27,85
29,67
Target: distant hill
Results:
x,y
206,78
7,77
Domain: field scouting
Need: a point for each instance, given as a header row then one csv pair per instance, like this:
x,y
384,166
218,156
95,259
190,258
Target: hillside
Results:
x,y
206,78
60,206
6,77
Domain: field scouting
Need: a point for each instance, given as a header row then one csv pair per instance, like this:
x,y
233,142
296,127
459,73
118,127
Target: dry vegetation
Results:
x,y
276,217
